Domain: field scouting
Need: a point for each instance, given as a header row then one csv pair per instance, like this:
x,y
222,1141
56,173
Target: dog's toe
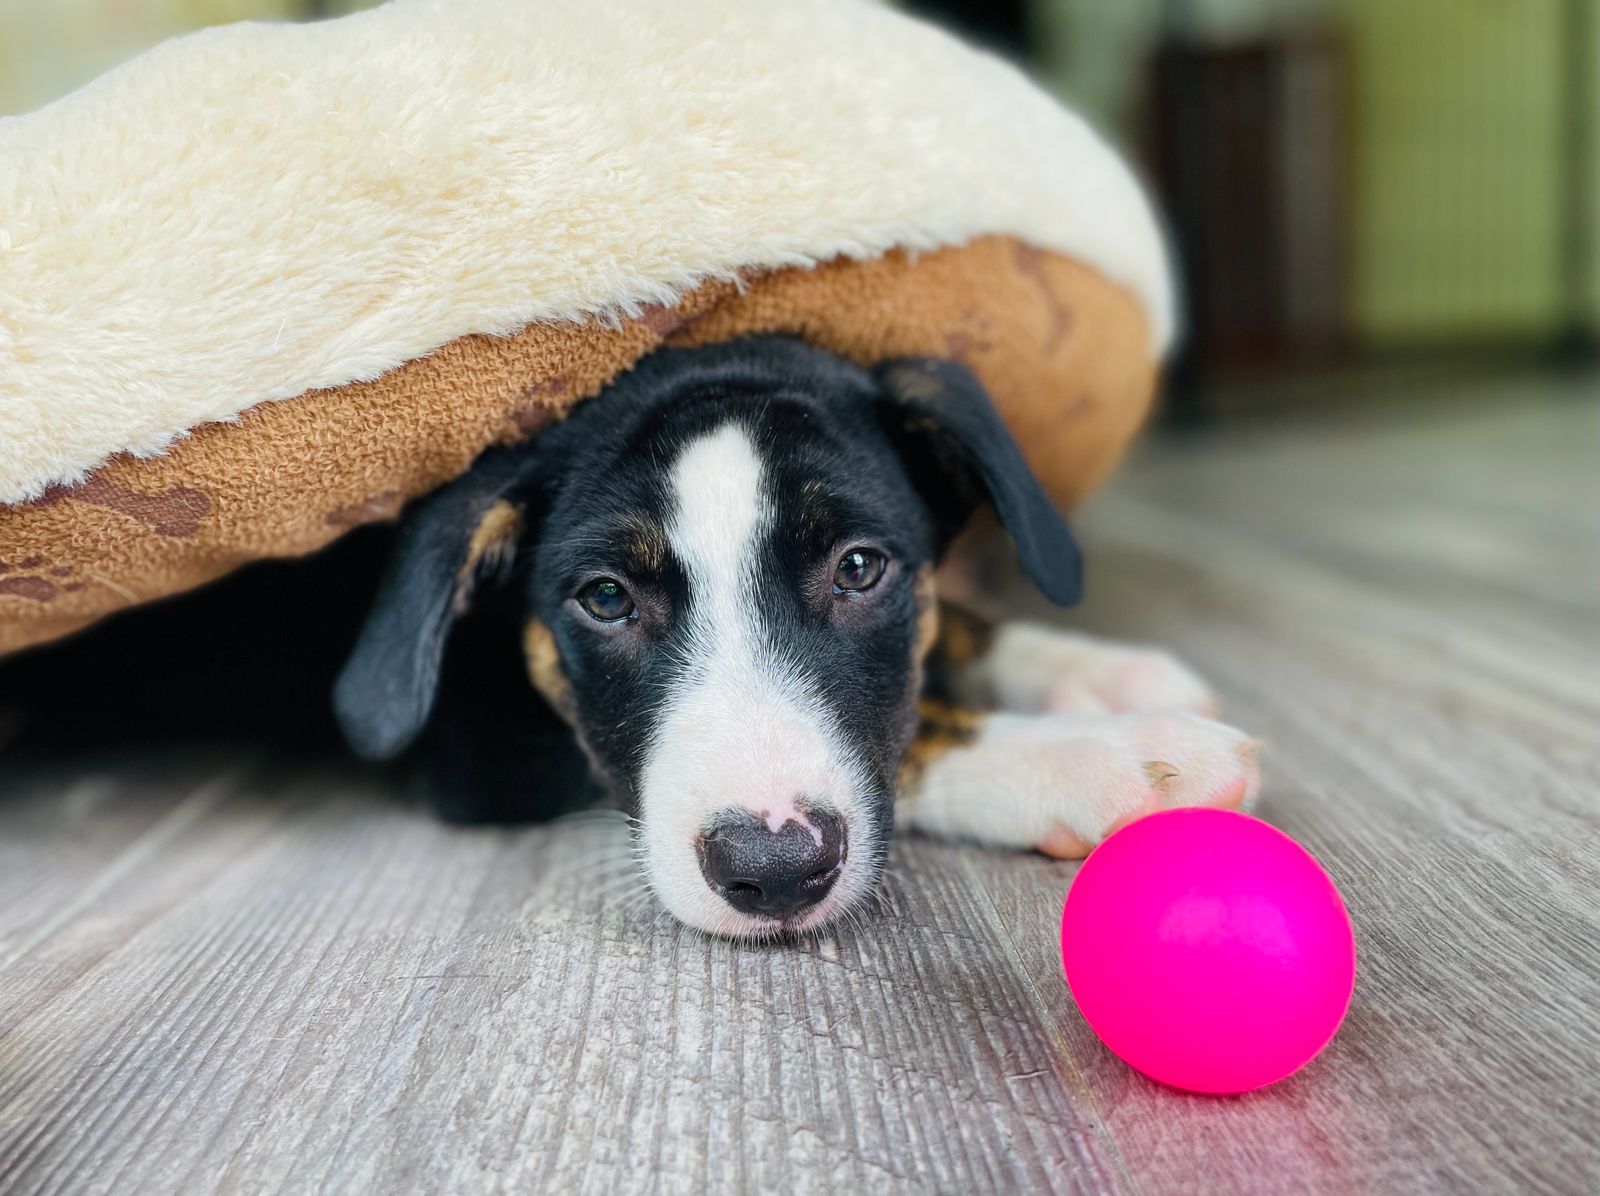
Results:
x,y
1184,760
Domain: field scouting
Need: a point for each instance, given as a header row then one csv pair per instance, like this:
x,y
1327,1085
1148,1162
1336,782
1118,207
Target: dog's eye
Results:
x,y
606,600
857,570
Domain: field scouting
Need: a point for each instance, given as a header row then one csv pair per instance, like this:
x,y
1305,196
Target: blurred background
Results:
x,y
1368,197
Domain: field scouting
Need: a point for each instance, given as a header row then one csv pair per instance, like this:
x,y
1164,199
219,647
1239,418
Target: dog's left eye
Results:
x,y
606,600
857,570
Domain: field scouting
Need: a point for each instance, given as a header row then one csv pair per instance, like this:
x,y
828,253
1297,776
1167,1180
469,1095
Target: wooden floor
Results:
x,y
214,978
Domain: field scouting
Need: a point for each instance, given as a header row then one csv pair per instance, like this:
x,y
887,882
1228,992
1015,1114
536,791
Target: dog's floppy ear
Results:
x,y
385,692
958,448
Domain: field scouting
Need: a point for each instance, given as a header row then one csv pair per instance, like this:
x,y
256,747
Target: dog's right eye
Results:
x,y
606,600
858,571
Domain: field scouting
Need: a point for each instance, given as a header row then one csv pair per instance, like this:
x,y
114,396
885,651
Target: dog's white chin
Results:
x,y
728,923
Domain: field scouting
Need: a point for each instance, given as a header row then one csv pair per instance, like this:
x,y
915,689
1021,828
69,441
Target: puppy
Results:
x,y
721,574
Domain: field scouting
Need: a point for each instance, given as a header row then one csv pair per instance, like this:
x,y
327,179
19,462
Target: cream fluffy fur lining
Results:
x,y
252,212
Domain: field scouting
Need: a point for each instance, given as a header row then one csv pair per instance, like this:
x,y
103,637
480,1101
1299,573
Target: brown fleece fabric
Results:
x,y
1064,353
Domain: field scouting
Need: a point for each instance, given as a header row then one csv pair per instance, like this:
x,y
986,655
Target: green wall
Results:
x,y
1459,165
1457,150
50,47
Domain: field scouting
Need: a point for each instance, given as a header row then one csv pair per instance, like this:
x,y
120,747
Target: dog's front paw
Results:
x,y
1181,760
1061,783
1043,669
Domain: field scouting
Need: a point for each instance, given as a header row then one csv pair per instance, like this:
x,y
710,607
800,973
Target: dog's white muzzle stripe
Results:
x,y
742,728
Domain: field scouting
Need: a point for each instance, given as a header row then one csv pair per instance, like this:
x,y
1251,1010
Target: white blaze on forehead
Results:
x,y
741,727
719,513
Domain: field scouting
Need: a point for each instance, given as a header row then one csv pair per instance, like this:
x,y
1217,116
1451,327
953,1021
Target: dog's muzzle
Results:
x,y
772,873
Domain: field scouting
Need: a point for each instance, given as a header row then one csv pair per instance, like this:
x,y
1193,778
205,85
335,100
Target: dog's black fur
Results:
x,y
894,459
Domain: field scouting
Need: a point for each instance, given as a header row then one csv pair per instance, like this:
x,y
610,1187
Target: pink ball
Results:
x,y
1208,949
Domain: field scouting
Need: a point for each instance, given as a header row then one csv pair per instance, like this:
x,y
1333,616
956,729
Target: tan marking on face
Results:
x,y
644,543
545,671
963,636
927,599
490,546
494,533
941,728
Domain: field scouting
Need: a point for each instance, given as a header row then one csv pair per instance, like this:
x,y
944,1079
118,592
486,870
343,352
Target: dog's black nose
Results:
x,y
776,873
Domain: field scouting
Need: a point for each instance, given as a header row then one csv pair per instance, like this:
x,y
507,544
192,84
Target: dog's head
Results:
x,y
725,571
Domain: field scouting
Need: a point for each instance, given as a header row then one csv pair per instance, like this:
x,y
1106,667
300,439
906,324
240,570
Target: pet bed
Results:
x,y
267,283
